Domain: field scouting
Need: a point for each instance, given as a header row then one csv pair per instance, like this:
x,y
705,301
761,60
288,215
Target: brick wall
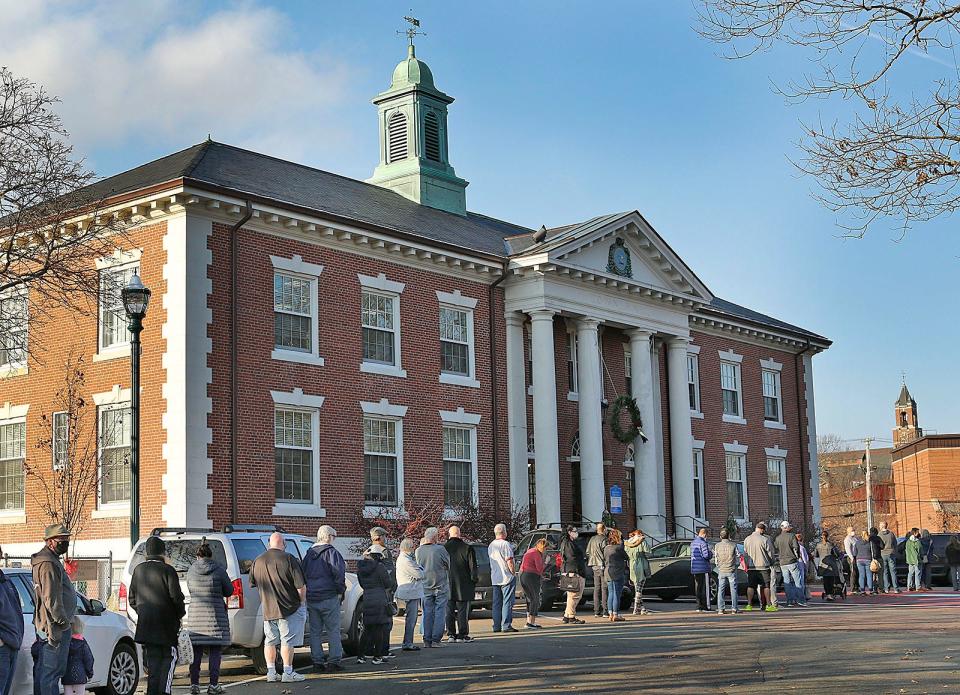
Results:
x,y
64,334
341,382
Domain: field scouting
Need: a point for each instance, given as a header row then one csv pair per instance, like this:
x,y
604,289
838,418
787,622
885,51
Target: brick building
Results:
x,y
318,345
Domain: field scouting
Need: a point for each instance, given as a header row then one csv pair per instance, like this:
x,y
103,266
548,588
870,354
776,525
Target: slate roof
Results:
x,y
905,398
243,172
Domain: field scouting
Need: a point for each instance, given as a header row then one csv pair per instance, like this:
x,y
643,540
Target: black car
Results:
x,y
550,593
482,598
670,576
939,569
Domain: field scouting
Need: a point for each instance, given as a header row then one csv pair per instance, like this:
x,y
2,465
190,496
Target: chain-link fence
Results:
x,y
93,575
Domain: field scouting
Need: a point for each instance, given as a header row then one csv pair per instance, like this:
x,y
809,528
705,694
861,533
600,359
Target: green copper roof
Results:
x,y
412,72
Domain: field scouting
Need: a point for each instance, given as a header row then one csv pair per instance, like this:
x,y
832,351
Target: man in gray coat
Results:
x,y
888,559
435,561
727,558
759,553
788,552
56,607
595,562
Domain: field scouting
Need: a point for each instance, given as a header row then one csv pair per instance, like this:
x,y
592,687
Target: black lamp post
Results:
x,y
136,297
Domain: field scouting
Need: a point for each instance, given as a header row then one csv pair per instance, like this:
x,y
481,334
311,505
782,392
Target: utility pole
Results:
x,y
869,483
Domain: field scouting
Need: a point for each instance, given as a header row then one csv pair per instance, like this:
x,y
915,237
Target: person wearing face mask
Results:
x,y
574,568
56,606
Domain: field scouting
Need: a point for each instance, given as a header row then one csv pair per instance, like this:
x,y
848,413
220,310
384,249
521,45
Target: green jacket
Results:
x,y
639,565
913,551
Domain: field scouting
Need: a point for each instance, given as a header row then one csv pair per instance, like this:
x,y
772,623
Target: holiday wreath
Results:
x,y
629,435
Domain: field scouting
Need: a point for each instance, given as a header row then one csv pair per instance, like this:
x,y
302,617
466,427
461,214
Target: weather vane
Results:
x,y
903,377
411,31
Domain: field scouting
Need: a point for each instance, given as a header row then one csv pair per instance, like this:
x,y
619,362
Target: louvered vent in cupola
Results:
x,y
397,137
431,133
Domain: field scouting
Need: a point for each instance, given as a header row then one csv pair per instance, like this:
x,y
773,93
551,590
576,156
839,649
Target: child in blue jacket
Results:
x,y
79,663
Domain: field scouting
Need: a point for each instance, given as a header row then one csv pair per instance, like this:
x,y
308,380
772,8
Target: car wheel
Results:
x,y
713,587
123,675
668,596
355,632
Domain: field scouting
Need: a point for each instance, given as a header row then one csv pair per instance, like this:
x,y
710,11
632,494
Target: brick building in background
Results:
x,y
317,346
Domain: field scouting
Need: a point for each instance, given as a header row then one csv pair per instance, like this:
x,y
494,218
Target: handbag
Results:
x,y
874,565
570,582
184,648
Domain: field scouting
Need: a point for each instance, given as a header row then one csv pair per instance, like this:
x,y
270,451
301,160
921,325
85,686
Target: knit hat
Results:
x,y
154,547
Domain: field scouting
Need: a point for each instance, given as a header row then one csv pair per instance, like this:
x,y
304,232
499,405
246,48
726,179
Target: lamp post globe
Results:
x,y
136,298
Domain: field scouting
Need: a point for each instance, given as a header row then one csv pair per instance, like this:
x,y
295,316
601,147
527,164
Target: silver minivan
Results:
x,y
235,548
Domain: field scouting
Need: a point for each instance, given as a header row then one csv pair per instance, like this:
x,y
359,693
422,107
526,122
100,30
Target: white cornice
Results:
x,y
315,229
750,334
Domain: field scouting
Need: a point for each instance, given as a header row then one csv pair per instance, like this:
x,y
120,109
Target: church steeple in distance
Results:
x,y
414,154
907,427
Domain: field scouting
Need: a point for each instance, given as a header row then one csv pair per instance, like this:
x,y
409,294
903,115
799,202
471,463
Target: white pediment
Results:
x,y
651,260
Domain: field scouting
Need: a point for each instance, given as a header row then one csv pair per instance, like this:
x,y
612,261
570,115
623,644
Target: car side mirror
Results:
x,y
97,606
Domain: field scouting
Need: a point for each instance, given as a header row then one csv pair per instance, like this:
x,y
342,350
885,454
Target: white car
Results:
x,y
116,666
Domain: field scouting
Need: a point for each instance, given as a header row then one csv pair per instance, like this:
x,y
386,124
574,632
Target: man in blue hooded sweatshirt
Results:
x,y
325,574
700,555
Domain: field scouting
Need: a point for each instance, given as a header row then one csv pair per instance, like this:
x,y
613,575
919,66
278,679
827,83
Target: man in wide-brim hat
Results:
x,y
56,607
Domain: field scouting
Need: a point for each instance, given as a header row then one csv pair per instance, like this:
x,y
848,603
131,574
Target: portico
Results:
x,y
614,274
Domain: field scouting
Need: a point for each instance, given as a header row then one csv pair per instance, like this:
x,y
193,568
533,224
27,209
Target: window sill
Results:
x,y
117,512
734,420
573,396
769,424
383,369
372,512
13,370
696,414
301,510
530,390
298,357
13,517
459,380
112,353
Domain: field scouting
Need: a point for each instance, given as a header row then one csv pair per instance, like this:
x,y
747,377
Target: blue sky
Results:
x,y
564,110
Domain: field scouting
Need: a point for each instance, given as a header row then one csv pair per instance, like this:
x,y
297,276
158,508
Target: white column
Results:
x,y
645,454
593,495
517,410
545,418
681,437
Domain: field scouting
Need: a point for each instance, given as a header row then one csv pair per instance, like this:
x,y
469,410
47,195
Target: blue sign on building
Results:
x,y
616,500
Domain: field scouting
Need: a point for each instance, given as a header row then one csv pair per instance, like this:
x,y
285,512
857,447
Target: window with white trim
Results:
x,y
772,412
293,452
380,319
575,448
113,318
14,327
572,376
456,341
13,437
293,312
777,488
699,508
628,372
731,389
737,485
693,381
60,440
459,456
113,438
380,459
631,485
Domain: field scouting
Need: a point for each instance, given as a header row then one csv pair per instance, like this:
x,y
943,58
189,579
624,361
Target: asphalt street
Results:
x,y
906,644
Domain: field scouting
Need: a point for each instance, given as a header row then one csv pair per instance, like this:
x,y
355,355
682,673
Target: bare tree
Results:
x,y
828,444
64,476
895,157
47,250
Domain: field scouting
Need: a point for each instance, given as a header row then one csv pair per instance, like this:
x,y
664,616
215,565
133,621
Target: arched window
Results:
x,y
629,458
431,136
531,447
903,418
575,448
397,137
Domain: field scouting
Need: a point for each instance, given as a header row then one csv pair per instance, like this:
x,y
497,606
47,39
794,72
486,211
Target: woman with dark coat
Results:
x,y
616,564
207,621
378,586
574,566
827,560
155,596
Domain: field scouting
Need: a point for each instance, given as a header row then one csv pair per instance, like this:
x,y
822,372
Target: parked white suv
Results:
x,y
116,659
236,547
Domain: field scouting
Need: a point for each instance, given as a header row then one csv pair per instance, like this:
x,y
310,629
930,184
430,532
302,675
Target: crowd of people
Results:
x,y
429,578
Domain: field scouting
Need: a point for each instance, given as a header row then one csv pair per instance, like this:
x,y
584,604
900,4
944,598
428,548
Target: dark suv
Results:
x,y
939,569
550,593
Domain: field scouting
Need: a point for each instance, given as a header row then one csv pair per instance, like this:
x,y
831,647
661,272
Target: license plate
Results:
x,y
478,596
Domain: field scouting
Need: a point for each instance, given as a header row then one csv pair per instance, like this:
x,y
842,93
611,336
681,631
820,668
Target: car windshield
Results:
x,y
181,553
